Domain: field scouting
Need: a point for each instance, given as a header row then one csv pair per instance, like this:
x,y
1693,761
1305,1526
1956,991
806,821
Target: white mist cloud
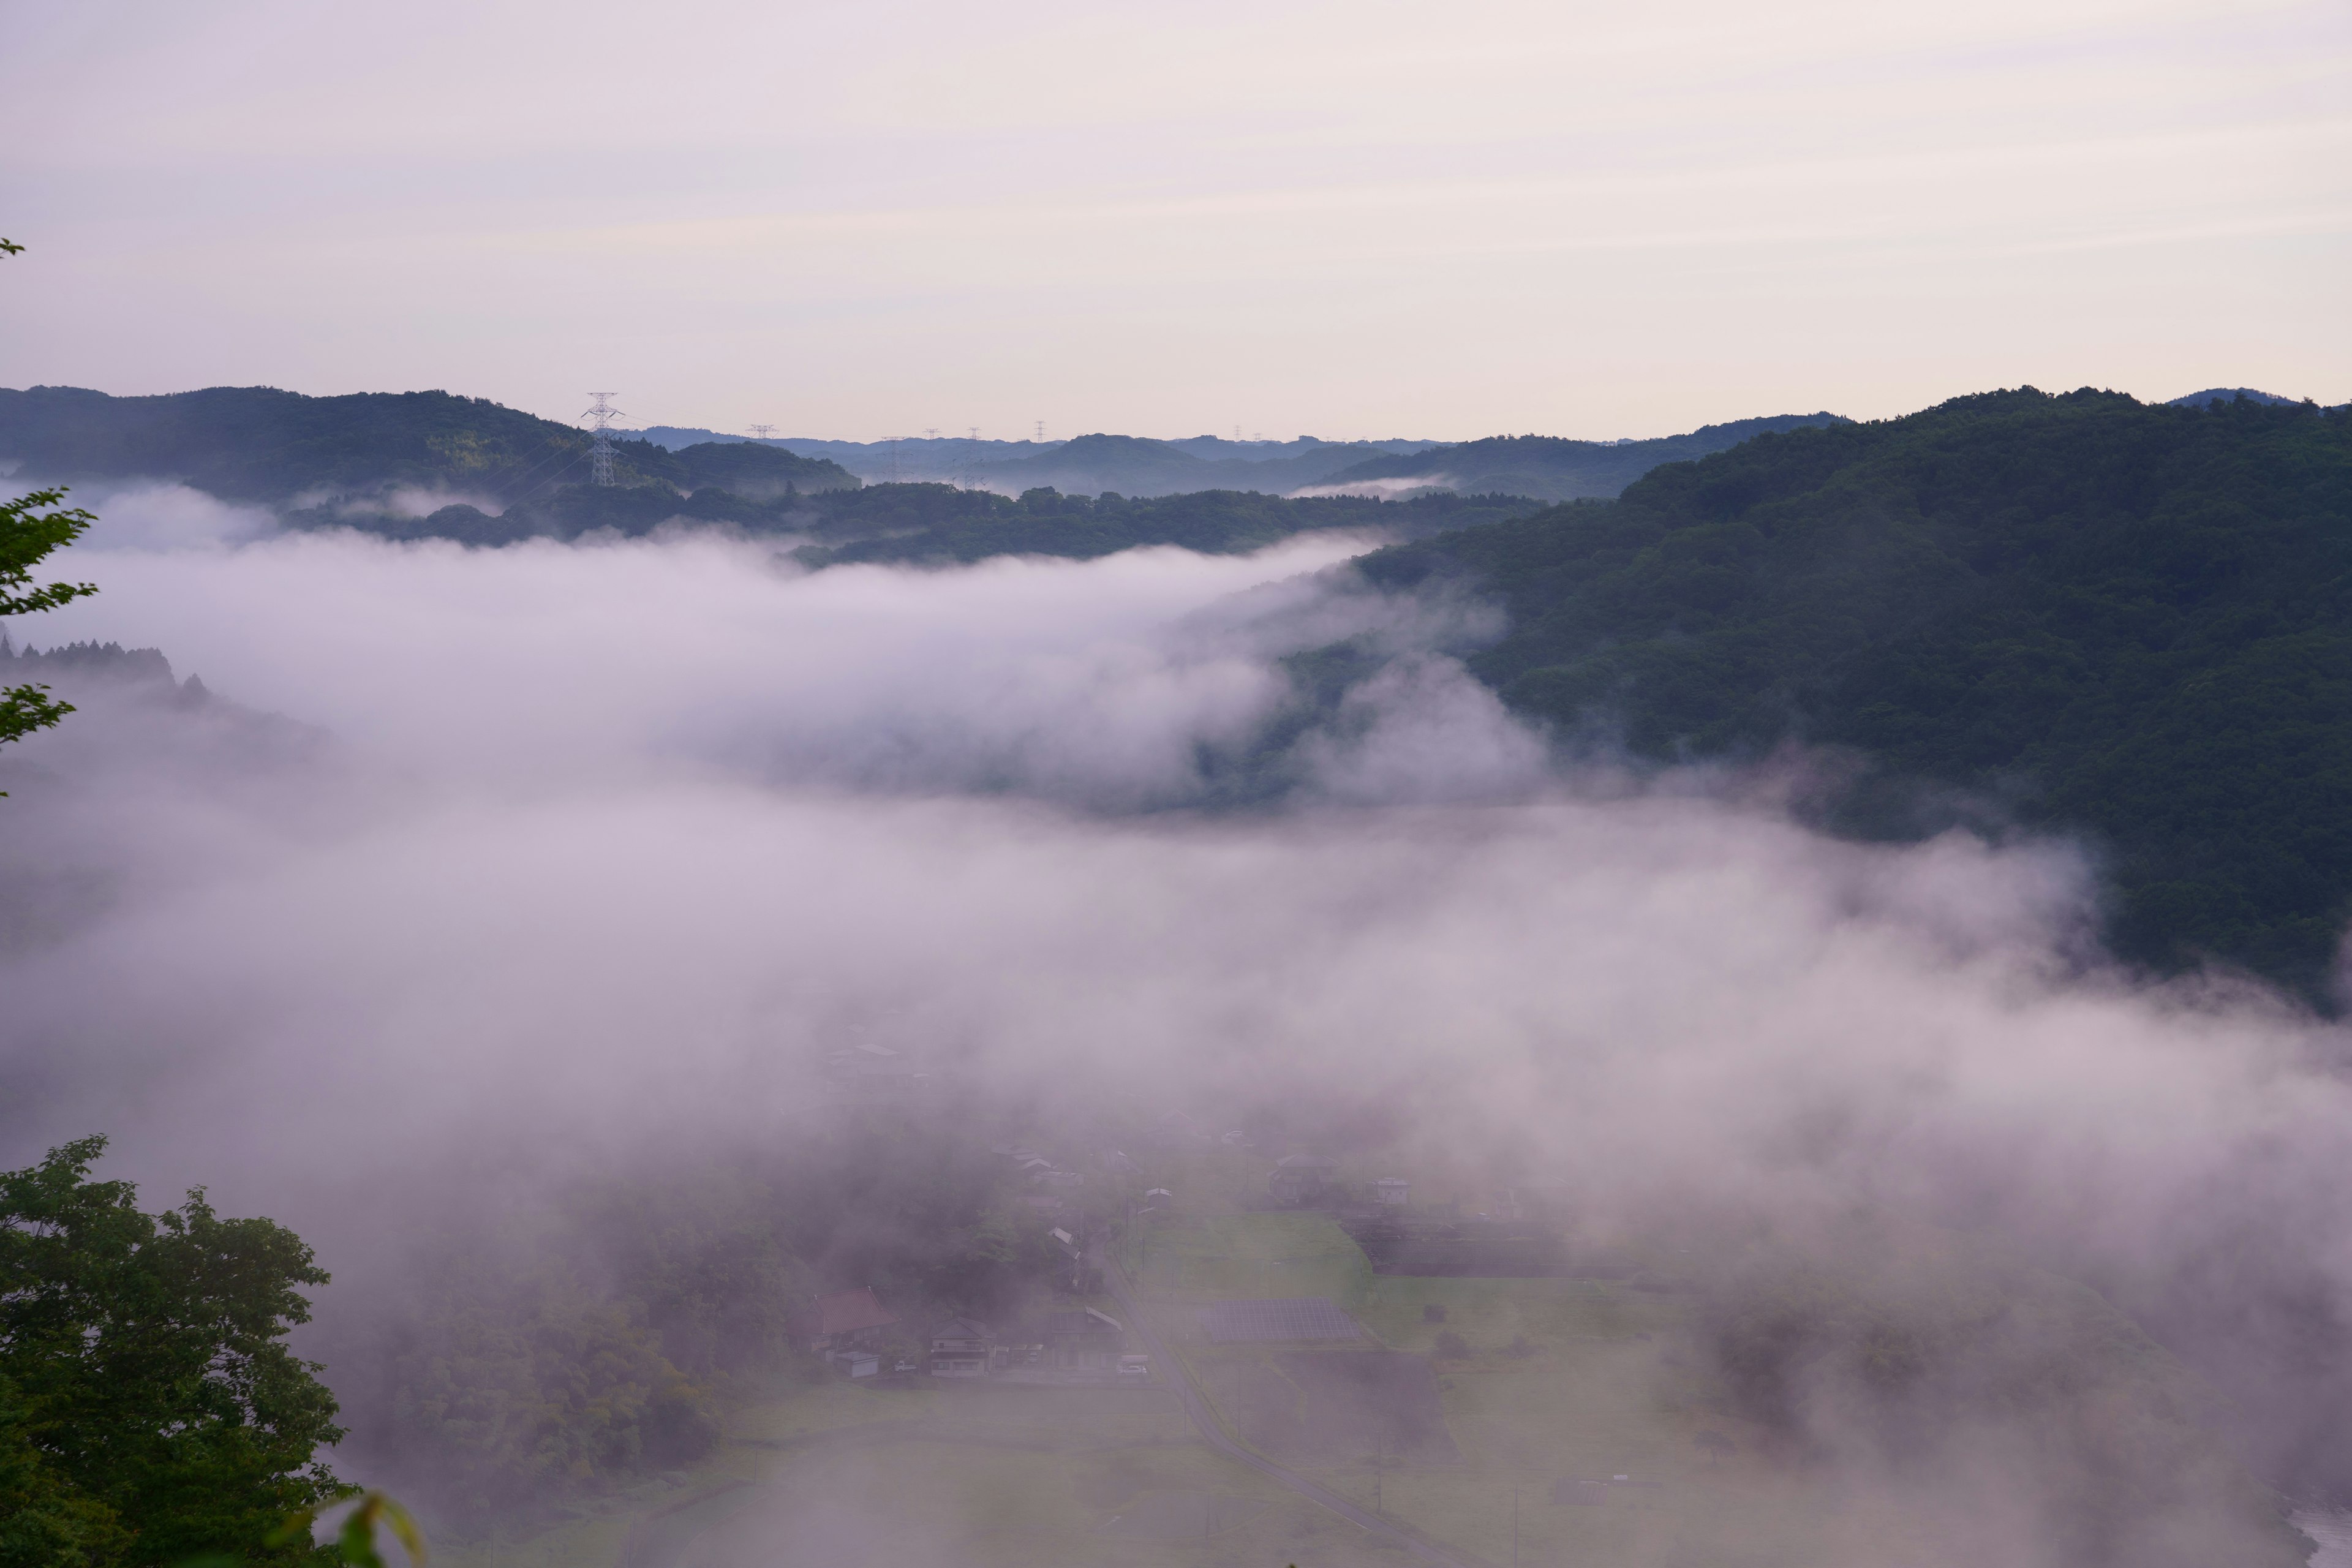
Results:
x,y
612,837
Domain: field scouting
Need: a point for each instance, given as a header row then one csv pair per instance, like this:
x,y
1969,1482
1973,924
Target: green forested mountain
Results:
x,y
970,525
2087,613
1550,469
1087,465
259,444
936,524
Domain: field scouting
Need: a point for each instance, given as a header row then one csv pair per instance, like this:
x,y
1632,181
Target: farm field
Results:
x,y
965,1474
1543,1381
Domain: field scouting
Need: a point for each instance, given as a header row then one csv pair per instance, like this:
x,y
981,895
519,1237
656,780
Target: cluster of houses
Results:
x,y
1310,1181
1050,1186
850,1328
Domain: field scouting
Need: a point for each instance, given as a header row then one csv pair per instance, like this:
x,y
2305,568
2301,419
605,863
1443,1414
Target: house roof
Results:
x,y
962,1329
846,1311
1088,1321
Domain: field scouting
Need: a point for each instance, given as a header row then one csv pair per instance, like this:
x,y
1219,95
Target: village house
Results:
x,y
962,1348
1302,1178
842,1321
1085,1340
1391,1190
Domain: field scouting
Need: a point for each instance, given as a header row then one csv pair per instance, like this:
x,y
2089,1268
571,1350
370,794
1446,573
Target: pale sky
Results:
x,y
1344,220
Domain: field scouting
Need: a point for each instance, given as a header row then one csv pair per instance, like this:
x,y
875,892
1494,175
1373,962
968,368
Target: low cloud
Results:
x,y
584,848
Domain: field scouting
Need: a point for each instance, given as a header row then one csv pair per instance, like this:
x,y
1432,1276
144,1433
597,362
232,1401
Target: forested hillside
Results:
x,y
259,444
1550,468
966,525
2086,613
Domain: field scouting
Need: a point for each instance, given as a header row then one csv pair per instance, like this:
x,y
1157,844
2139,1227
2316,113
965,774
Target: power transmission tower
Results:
x,y
600,455
761,432
971,477
1041,430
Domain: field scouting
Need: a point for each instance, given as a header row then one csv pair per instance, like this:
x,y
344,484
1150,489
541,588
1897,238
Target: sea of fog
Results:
x,y
572,849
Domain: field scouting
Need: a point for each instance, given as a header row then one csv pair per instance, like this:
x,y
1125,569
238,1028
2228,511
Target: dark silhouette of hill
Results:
x,y
259,444
1548,467
1090,465
2225,394
2084,612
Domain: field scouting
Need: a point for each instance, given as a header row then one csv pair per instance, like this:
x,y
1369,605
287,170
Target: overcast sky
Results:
x,y
1347,220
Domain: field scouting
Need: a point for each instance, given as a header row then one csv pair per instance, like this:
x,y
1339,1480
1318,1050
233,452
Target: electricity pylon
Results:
x,y
600,456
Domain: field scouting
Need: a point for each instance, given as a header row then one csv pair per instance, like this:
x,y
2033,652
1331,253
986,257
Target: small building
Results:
x,y
843,1320
1393,1190
962,1348
1087,1339
1301,1178
859,1364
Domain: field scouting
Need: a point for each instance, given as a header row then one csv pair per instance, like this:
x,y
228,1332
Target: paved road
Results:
x,y
1205,1421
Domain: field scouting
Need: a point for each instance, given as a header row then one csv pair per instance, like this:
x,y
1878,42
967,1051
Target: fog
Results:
x,y
539,857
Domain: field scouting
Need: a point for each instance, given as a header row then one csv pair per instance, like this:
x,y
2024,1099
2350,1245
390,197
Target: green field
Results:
x,y
1253,1257
968,1475
1555,1381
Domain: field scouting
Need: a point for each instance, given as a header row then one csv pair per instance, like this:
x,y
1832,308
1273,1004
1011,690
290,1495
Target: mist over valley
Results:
x,y
1250,785
608,951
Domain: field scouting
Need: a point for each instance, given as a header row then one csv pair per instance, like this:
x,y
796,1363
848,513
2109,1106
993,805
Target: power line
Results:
x,y
600,456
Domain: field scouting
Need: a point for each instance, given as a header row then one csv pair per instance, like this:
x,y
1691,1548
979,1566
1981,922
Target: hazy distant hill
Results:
x,y
259,444
1549,467
2105,615
2225,394
1090,465
959,526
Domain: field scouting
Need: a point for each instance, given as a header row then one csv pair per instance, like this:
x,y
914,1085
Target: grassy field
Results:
x,y
1253,1257
1566,1380
1490,1315
1561,1381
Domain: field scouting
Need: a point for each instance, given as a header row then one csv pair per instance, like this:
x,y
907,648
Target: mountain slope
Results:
x,y
259,444
2131,620
1548,467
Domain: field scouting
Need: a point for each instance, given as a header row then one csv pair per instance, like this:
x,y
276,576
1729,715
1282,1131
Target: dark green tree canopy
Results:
x,y
30,527
2087,613
150,1410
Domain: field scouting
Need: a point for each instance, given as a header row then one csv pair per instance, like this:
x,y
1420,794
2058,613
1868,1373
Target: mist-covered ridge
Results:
x,y
1549,467
2075,612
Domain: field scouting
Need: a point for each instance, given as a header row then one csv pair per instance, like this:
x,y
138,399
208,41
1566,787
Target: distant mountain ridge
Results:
x,y
1088,465
1553,468
260,444
2225,394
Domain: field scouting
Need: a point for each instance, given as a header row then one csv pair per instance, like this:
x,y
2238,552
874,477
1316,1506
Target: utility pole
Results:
x,y
761,432
600,455
1514,1527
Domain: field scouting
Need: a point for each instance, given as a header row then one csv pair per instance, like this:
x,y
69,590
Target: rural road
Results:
x,y
1205,1421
